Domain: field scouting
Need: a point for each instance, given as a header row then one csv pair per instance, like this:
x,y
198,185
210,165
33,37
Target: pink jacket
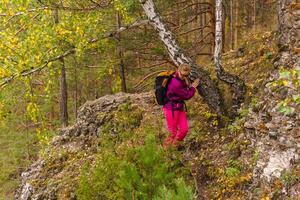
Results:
x,y
177,92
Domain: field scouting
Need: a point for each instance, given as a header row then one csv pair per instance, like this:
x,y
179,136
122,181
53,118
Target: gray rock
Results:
x,y
79,139
273,135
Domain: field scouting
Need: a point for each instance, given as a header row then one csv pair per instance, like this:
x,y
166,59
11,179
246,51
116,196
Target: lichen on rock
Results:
x,y
55,174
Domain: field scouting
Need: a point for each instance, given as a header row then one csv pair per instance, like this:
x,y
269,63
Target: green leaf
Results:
x,y
284,75
289,110
298,72
269,55
296,98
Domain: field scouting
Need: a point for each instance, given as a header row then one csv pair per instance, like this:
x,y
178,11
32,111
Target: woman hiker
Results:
x,y
179,89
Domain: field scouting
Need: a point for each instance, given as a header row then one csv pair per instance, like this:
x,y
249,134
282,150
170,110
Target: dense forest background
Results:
x,y
56,55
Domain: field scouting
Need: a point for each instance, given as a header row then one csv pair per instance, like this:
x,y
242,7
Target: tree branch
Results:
x,y
190,5
194,29
30,71
192,19
25,12
147,77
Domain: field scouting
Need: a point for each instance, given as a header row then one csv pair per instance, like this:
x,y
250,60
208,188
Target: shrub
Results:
x,y
144,172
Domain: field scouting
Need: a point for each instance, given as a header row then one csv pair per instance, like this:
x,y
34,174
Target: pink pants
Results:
x,y
177,125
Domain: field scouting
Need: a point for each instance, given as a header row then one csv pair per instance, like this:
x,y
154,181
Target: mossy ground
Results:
x,y
18,150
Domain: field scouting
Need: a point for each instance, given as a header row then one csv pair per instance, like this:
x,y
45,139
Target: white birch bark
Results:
x,y
237,85
165,35
207,87
218,35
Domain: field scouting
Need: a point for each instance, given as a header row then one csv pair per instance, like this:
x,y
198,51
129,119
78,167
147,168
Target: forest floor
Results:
x,y
213,154
17,151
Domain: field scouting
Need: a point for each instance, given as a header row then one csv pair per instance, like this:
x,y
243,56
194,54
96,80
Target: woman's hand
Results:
x,y
196,83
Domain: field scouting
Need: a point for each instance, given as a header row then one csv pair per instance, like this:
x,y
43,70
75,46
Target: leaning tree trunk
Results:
x,y
237,85
207,88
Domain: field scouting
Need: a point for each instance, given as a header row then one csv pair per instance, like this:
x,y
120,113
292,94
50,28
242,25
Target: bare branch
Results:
x,y
192,19
143,87
137,23
122,29
147,77
87,9
185,7
194,29
61,7
202,40
152,66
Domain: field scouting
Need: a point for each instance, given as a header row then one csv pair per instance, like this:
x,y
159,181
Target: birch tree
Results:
x,y
206,88
237,85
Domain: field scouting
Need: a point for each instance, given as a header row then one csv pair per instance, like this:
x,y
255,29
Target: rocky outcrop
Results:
x,y
275,134
276,138
289,29
55,174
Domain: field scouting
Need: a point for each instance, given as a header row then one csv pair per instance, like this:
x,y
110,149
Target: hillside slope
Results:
x,y
55,174
255,157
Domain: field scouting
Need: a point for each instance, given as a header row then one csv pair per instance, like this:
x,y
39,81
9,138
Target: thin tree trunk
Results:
x,y
64,96
236,24
76,90
63,86
202,21
120,54
247,12
213,20
52,113
205,16
237,85
207,88
122,72
262,11
254,15
231,26
199,20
